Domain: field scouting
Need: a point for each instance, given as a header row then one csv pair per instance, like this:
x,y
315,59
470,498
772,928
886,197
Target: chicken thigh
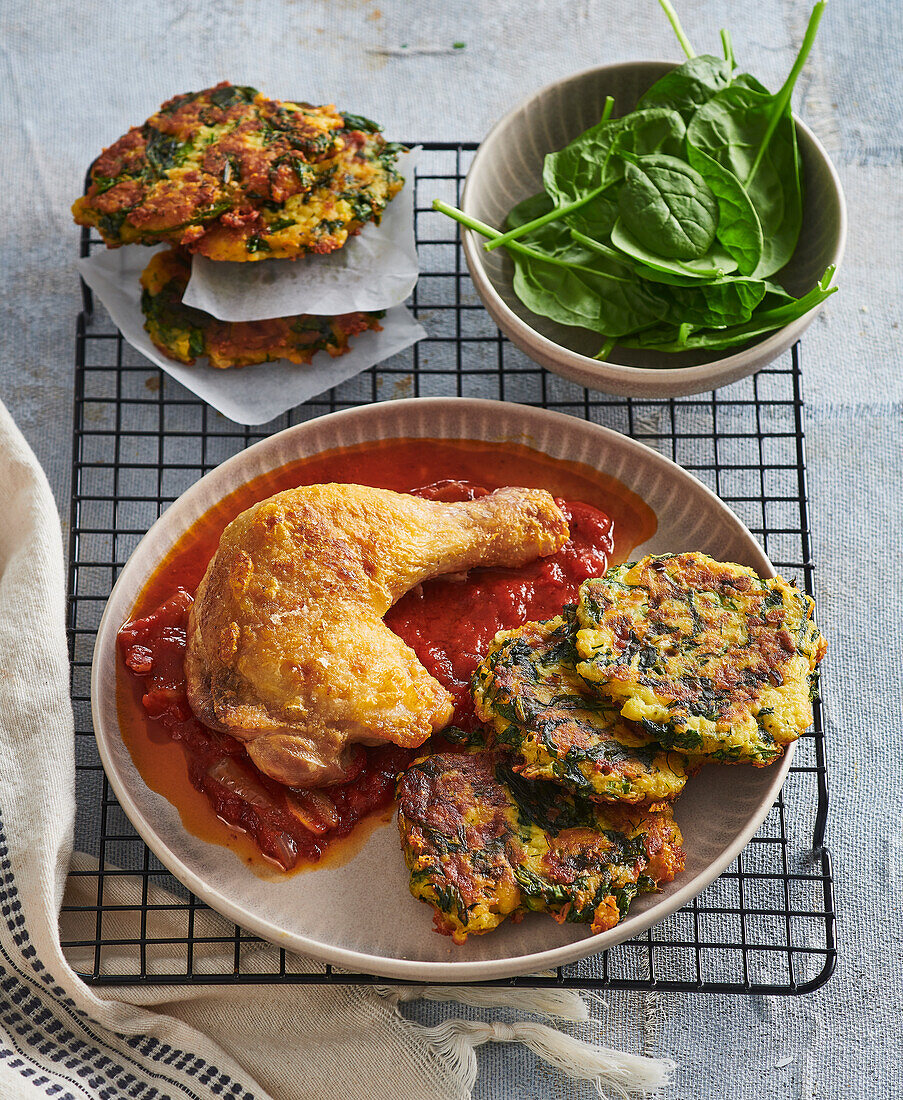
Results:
x,y
287,650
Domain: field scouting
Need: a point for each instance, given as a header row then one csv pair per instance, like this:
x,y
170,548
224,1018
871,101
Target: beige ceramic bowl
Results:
x,y
508,169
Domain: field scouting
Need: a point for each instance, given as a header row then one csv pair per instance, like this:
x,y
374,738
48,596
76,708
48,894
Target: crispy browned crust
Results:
x,y
186,334
483,846
236,176
287,649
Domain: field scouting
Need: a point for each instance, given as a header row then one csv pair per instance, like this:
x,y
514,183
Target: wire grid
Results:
x,y
767,925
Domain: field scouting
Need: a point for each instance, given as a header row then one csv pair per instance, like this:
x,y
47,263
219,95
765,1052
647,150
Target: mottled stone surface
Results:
x,y
76,75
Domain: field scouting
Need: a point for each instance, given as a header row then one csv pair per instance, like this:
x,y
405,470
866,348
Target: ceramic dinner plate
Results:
x,y
360,915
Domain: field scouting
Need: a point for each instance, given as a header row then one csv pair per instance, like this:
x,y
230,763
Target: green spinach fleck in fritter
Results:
x,y
484,844
542,713
233,175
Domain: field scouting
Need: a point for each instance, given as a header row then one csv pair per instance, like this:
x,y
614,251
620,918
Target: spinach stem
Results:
x,y
465,219
559,211
781,314
728,48
825,281
598,246
783,97
603,353
553,215
678,29
544,257
514,246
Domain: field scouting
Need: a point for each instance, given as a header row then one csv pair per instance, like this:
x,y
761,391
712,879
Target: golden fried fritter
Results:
x,y
287,649
233,175
185,334
705,655
484,844
554,726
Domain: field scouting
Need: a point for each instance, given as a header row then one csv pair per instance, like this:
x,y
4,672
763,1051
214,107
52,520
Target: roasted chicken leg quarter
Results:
x,y
286,645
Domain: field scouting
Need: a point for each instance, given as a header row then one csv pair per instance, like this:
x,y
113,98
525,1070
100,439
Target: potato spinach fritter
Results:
x,y
546,716
484,844
233,175
705,655
185,334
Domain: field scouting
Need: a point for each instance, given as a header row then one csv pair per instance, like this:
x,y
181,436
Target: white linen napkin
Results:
x,y
62,1038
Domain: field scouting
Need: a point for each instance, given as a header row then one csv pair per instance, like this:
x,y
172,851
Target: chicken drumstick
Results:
x,y
286,645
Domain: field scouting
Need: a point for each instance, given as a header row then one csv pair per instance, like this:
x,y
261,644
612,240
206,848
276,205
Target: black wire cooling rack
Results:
x,y
767,925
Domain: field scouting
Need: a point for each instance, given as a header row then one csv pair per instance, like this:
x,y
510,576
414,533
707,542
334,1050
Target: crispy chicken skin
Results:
x,y
286,645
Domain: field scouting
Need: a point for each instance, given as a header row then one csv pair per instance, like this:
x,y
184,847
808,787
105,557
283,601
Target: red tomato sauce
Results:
x,y
288,826
448,622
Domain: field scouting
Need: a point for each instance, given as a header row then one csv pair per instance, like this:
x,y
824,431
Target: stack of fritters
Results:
x,y
483,844
231,175
551,723
593,722
184,334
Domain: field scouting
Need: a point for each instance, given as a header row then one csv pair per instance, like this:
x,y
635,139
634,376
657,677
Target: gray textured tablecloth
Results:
x,y
75,75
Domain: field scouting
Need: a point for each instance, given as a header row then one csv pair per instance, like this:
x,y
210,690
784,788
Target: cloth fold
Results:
x,y
60,1037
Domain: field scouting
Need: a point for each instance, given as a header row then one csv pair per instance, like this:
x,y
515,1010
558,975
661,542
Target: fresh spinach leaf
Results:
x,y
687,87
739,229
602,249
668,337
549,243
716,304
715,264
668,207
580,168
529,210
589,157
775,295
745,80
586,164
642,133
597,218
730,129
781,105
597,301
753,134
660,229
559,251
